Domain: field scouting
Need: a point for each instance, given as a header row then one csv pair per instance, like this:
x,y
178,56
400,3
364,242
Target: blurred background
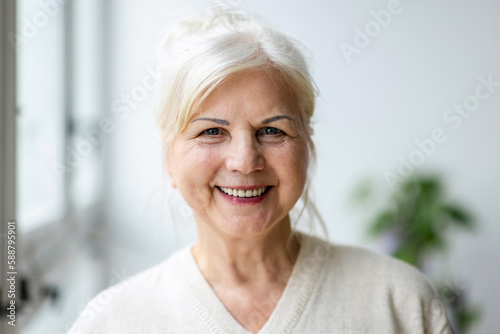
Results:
x,y
407,88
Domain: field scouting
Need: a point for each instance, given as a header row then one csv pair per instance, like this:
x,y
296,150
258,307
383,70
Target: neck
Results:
x,y
246,260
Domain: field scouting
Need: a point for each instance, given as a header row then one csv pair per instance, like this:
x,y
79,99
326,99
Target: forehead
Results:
x,y
255,93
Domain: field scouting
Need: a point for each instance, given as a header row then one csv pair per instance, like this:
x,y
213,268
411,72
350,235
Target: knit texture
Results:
x,y
332,289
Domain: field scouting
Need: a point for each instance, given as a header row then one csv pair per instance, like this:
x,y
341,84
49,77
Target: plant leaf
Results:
x,y
460,217
384,222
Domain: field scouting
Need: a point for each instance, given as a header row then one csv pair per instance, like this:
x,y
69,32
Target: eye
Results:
x,y
212,132
270,131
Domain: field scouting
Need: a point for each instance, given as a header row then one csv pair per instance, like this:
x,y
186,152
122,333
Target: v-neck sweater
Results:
x,y
332,289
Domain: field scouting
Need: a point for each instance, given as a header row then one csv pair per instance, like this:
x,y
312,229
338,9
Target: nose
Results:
x,y
244,155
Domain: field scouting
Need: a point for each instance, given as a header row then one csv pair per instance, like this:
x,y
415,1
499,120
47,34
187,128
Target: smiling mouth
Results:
x,y
244,193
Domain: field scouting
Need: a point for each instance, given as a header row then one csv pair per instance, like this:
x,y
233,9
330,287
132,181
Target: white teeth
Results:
x,y
243,193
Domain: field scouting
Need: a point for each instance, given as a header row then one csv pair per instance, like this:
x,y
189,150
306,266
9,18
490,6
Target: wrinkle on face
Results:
x,y
240,106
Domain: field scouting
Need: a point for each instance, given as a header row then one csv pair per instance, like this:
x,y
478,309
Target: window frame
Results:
x,y
7,140
37,246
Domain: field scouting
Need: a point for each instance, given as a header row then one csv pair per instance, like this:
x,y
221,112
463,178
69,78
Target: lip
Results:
x,y
244,200
245,187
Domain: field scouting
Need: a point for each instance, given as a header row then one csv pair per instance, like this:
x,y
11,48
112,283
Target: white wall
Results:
x,y
370,112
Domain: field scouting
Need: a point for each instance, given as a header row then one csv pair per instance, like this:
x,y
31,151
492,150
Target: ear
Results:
x,y
172,180
168,165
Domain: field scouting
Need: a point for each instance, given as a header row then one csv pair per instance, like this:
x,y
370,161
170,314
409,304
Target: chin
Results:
x,y
249,226
245,227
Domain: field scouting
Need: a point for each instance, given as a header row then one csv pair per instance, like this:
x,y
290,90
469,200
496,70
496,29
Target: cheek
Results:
x,y
291,162
195,169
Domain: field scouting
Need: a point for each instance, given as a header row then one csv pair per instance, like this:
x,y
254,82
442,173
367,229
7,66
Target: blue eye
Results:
x,y
271,131
212,132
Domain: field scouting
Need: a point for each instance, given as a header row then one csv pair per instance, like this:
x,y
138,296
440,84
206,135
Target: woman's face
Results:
x,y
241,162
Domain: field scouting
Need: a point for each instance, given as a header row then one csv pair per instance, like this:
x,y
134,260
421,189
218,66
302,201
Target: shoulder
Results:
x,y
355,260
367,287
132,299
379,273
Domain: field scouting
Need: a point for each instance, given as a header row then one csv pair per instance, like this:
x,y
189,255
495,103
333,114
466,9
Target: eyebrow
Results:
x,y
224,122
215,120
276,118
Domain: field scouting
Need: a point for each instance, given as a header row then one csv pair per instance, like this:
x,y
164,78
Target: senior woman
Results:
x,y
235,111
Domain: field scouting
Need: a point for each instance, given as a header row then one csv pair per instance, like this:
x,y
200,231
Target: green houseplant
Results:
x,y
418,219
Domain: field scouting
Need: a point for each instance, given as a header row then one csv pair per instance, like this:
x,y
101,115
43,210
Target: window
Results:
x,y
41,119
51,82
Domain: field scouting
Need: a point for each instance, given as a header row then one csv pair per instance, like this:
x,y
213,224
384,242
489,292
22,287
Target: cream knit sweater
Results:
x,y
336,289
